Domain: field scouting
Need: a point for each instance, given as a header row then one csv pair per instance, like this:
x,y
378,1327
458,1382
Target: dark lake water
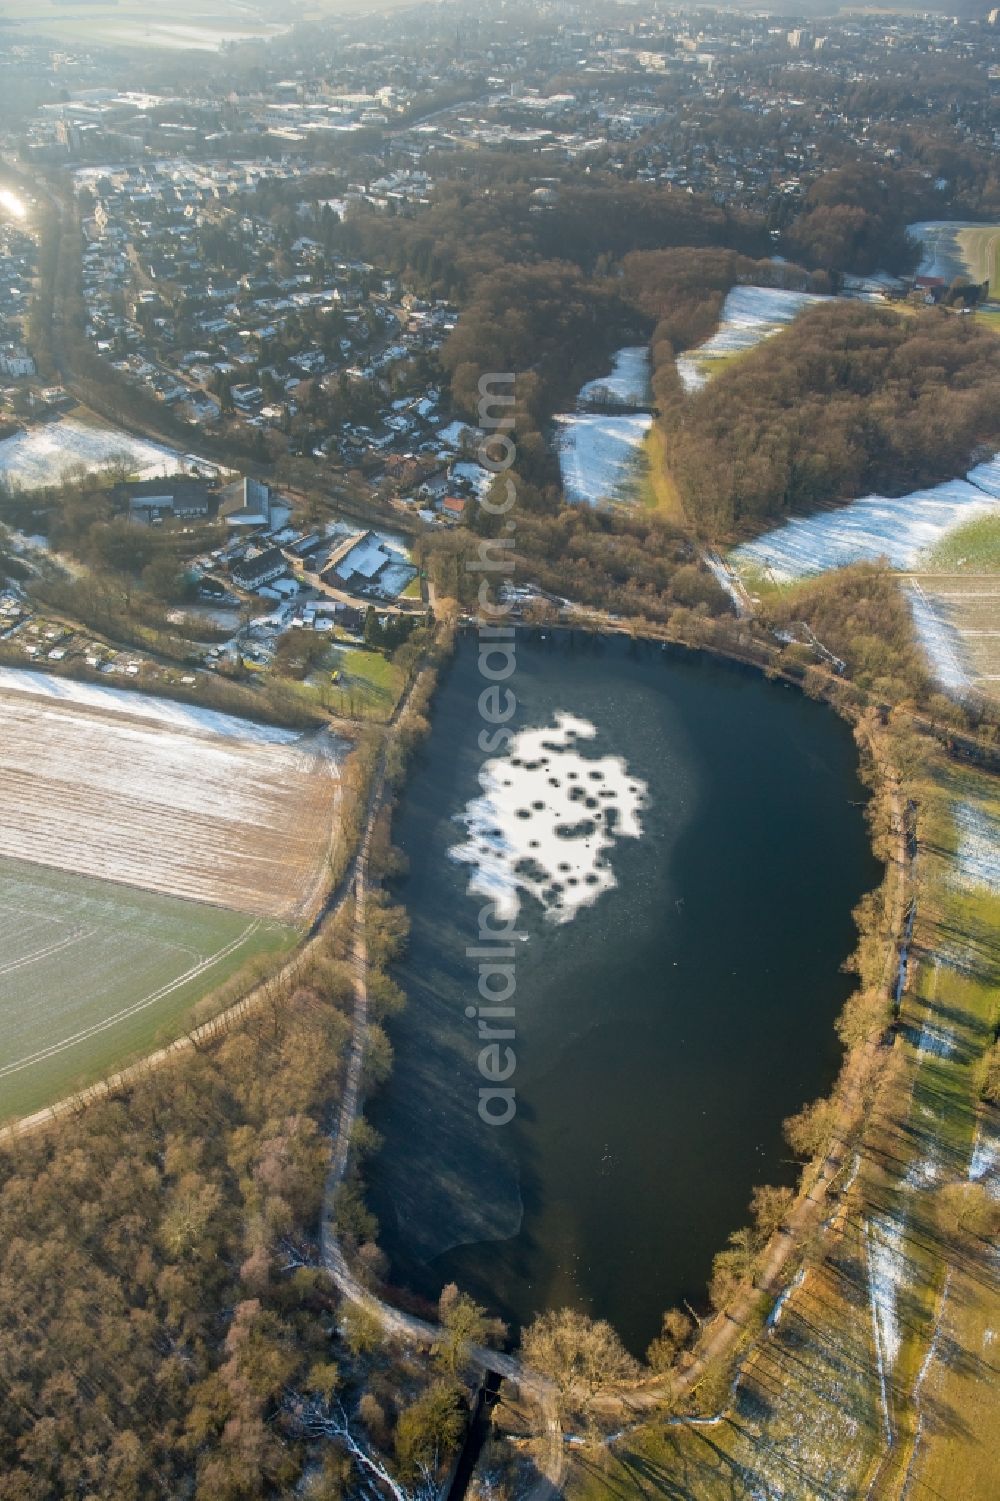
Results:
x,y
663,1031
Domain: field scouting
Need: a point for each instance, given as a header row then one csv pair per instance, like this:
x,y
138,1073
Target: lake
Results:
x,y
682,843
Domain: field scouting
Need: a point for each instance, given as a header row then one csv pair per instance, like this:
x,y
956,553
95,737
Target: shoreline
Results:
x,y
724,1331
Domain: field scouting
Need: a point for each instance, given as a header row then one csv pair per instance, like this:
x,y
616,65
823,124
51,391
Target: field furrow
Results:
x,y
175,809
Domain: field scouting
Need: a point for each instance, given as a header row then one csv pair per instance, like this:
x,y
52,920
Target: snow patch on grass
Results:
x,y
628,381
977,858
45,454
922,1174
898,529
749,316
939,1041
547,820
598,453
984,1164
942,253
941,642
143,706
886,1273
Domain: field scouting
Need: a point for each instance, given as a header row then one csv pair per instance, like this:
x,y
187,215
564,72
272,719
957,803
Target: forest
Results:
x,y
467,232
851,399
124,1238
166,1328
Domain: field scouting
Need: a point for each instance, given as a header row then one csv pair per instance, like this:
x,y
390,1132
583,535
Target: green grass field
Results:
x,y
975,546
370,682
658,488
93,975
980,249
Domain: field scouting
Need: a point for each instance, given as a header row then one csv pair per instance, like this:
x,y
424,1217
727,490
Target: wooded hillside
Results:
x,y
849,400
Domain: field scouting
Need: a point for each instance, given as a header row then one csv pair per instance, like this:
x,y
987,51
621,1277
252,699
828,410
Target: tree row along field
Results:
x,y
240,823
148,852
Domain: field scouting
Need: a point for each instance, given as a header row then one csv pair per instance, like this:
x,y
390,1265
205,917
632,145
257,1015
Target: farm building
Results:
x,y
247,502
365,562
177,496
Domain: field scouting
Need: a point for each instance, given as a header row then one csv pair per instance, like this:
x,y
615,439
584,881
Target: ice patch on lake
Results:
x,y
547,820
143,706
977,858
44,455
628,381
749,316
876,526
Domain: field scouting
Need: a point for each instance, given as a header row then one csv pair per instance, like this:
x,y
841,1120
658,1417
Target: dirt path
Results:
x,y
396,1324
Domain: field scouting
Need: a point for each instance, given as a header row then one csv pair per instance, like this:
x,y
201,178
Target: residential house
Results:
x,y
261,568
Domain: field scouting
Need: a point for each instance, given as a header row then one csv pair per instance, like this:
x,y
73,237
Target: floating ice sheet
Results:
x,y
547,820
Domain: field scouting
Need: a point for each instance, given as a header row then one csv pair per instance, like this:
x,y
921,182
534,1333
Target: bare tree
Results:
x,y
319,1418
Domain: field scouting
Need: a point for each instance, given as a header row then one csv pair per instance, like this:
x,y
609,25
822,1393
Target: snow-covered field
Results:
x,y
142,706
749,316
903,530
628,381
941,642
598,454
176,37
164,797
45,454
876,526
541,826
